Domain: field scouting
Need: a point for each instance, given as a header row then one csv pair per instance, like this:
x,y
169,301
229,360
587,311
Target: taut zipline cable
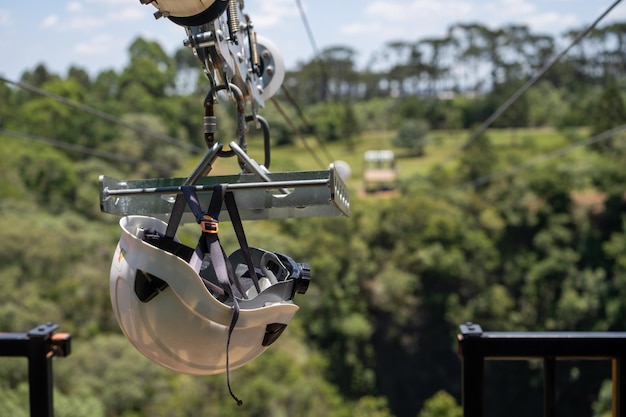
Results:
x,y
103,115
537,160
70,146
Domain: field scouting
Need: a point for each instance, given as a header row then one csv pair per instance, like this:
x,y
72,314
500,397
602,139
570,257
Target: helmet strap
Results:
x,y
221,265
233,212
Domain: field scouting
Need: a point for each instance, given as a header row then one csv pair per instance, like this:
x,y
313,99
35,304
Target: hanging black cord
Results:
x,y
233,322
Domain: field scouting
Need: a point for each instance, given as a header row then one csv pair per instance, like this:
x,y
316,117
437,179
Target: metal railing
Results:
x,y
476,347
39,345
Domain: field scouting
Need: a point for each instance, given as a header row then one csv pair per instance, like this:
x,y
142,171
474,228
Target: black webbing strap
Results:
x,y
235,218
209,242
175,216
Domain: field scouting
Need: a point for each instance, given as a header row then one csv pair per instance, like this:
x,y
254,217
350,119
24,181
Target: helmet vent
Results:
x,y
273,332
148,286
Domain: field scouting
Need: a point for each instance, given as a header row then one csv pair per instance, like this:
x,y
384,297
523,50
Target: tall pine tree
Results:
x,y
609,113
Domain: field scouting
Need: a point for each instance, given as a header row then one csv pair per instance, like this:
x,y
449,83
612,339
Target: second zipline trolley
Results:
x,y
197,310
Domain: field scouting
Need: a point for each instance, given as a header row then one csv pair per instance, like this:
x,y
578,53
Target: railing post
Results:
x,y
39,345
549,387
619,386
473,363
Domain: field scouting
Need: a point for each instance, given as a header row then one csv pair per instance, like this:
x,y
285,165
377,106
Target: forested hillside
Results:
x,y
522,228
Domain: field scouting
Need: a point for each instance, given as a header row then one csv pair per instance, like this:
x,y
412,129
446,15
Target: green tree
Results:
x,y
188,71
546,105
371,407
441,404
350,126
106,87
14,402
335,122
406,108
150,67
517,114
338,63
157,158
122,379
49,175
80,76
608,113
6,104
478,159
49,118
39,76
603,406
412,135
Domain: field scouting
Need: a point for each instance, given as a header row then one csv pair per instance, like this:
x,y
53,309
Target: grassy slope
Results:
x,y
513,146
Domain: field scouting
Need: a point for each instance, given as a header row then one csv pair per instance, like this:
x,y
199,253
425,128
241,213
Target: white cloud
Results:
x,y
359,28
74,7
522,11
509,11
74,22
50,21
418,11
271,13
97,15
97,45
84,23
402,19
396,19
511,8
382,21
108,3
6,19
617,14
553,22
128,14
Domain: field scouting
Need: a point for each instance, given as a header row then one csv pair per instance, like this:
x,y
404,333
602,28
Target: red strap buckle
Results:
x,y
209,224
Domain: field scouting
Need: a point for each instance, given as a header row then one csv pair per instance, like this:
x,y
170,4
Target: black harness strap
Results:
x,y
209,242
235,218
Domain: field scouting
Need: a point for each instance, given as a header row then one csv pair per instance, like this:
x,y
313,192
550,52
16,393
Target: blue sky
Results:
x,y
95,34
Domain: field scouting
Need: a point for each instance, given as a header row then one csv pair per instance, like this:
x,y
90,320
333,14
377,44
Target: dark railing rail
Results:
x,y
476,346
39,345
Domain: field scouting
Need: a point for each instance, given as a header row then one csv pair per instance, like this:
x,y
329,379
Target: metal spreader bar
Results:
x,y
310,194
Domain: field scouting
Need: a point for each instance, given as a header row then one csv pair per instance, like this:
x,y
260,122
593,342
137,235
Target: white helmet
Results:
x,y
164,307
